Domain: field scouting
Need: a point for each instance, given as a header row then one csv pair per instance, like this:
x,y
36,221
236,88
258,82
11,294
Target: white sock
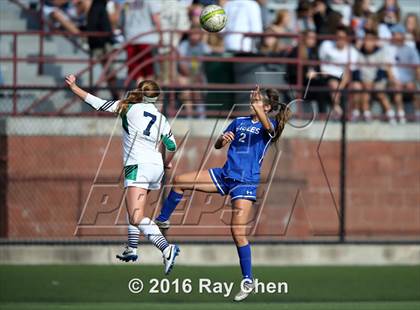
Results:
x,y
356,113
401,114
390,114
133,237
367,115
152,232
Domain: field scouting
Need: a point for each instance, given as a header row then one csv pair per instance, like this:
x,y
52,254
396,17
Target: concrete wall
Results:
x,y
54,170
270,255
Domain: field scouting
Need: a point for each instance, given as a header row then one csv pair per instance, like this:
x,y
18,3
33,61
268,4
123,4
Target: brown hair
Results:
x,y
272,97
280,16
382,12
146,88
416,31
302,48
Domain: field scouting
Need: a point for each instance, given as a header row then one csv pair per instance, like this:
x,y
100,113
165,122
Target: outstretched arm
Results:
x,y
95,102
71,83
258,106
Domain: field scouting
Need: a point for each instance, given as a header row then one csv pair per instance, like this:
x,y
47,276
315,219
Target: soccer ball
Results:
x,y
213,18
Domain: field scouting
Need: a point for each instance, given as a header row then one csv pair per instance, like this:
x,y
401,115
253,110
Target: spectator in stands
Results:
x,y
361,11
326,19
66,13
308,50
141,16
405,77
412,27
281,25
173,16
265,13
389,13
304,16
344,8
371,74
371,23
114,9
339,54
192,71
101,47
244,16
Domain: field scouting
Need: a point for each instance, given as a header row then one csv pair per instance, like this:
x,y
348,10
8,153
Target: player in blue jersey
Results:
x,y
249,139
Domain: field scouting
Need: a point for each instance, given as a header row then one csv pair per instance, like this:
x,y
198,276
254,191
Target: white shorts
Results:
x,y
147,176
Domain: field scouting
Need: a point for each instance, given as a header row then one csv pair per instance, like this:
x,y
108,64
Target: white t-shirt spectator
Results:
x,y
173,16
329,52
139,19
404,54
368,72
243,16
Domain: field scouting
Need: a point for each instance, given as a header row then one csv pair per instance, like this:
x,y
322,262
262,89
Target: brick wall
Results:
x,y
50,179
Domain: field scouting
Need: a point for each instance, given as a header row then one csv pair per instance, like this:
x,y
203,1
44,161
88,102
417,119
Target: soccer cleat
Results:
x,y
169,255
246,289
163,226
129,254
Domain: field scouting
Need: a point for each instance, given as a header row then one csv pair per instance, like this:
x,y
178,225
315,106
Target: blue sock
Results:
x,y
244,253
169,206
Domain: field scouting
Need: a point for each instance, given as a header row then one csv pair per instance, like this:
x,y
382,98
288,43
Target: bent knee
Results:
x,y
136,220
180,183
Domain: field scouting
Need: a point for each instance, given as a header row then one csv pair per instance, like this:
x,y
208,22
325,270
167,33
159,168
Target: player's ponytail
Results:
x,y
282,118
272,97
147,91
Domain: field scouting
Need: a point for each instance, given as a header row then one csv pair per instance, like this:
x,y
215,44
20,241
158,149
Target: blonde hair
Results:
x,y
147,90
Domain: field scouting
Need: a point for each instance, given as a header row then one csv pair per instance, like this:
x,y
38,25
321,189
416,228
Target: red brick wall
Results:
x,y
49,180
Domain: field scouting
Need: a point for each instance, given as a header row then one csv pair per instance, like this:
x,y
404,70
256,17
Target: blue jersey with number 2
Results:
x,y
247,150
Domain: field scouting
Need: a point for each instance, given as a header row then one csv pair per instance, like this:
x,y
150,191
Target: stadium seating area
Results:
x,y
180,59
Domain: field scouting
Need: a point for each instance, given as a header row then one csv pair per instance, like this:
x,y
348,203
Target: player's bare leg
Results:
x,y
136,200
242,209
197,180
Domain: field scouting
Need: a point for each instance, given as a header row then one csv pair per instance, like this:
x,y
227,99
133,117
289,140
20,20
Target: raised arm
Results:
x,y
95,102
258,106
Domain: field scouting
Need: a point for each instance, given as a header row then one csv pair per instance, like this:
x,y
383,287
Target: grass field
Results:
x,y
106,287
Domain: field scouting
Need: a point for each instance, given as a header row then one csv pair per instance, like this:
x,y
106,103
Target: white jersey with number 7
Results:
x,y
144,127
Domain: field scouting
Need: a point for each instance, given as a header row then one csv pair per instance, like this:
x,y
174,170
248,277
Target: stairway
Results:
x,y
12,18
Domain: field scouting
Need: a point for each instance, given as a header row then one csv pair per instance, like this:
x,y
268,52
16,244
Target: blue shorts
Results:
x,y
236,189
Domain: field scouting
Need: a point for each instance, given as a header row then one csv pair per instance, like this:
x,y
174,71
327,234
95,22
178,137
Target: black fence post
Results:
x,y
343,170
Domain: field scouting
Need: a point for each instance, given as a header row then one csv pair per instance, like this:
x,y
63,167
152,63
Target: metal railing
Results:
x,y
172,57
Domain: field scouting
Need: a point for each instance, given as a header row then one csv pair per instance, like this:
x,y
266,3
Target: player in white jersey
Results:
x,y
144,128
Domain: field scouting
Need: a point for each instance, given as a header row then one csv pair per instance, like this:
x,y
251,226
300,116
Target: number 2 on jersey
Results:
x,y
146,132
242,137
